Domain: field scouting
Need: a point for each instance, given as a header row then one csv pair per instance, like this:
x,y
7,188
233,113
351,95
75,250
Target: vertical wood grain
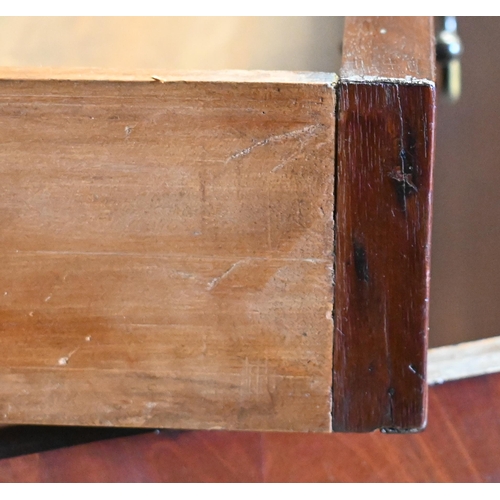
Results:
x,y
383,227
385,137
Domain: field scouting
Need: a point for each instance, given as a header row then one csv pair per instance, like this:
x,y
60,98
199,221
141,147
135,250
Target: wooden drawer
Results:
x,y
221,250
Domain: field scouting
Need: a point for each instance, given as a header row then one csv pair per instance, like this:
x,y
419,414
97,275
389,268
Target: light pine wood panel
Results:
x,y
167,251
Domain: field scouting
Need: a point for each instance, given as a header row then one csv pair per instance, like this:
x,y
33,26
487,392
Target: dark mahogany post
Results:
x,y
386,103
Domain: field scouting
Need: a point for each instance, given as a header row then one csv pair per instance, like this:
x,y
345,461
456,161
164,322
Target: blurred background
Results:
x,y
173,43
465,286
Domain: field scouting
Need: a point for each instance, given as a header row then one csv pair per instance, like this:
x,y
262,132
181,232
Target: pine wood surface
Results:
x,y
167,252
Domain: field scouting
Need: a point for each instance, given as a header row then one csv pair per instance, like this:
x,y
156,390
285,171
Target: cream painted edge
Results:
x,y
469,359
161,76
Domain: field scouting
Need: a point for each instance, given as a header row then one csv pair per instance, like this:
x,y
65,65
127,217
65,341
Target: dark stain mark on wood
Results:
x,y
404,176
403,180
360,262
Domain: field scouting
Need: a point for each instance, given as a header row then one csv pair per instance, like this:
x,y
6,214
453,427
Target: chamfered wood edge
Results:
x,y
160,76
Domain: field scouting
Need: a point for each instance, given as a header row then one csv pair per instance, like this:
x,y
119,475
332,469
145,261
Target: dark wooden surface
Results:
x,y
383,214
461,444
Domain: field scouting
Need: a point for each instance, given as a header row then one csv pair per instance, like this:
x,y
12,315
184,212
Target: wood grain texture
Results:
x,y
385,138
388,47
204,456
167,253
460,444
444,364
382,256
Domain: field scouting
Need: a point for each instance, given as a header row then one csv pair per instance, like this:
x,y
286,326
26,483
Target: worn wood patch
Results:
x,y
167,252
385,149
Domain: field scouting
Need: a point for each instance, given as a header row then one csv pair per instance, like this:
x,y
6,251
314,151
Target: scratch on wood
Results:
x,y
281,165
213,283
274,138
361,262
